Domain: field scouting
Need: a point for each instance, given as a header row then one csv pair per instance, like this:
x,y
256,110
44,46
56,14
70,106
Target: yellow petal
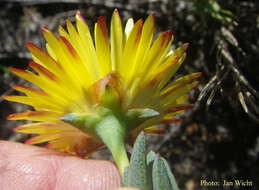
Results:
x,y
44,72
61,94
156,54
88,50
43,128
63,33
78,70
116,40
44,59
102,46
50,52
41,96
49,137
128,28
60,144
36,103
130,48
180,82
180,107
177,92
36,116
69,71
143,49
154,130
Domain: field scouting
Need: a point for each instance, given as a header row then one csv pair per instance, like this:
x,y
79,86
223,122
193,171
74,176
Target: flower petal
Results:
x,y
102,46
88,51
36,116
129,52
47,137
116,40
44,59
143,48
158,50
44,128
128,28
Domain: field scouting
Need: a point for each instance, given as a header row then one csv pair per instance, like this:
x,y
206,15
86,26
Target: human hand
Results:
x,y
30,167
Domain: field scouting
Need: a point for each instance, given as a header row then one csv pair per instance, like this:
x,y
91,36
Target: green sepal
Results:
x,y
83,122
107,127
136,116
110,100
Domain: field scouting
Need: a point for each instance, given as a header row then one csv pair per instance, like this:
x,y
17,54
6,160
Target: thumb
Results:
x,y
126,188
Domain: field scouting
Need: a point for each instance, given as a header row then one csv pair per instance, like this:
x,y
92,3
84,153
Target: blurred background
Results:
x,y
219,138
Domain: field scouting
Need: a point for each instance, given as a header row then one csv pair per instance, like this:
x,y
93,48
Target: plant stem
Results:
x,y
112,132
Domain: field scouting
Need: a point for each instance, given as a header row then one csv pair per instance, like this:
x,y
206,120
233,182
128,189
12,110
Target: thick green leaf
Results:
x,y
170,175
125,177
150,172
160,176
137,174
150,160
151,156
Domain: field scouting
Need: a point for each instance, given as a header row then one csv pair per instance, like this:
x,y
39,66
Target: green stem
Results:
x,y
112,132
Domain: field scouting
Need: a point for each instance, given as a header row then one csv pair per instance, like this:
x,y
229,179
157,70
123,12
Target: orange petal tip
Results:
x,y
68,45
170,32
158,131
196,85
48,145
166,37
29,141
44,29
117,13
102,24
175,109
101,19
197,75
4,97
79,16
31,63
16,87
186,45
10,117
171,121
153,15
15,70
30,45
38,68
15,129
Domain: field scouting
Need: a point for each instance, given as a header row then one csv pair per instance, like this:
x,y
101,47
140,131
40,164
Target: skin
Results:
x,y
30,167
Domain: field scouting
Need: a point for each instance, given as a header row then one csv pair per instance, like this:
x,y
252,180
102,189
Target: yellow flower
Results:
x,y
82,82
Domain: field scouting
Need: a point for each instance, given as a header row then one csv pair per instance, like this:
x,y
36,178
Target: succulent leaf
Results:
x,y
170,175
148,172
159,174
137,174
